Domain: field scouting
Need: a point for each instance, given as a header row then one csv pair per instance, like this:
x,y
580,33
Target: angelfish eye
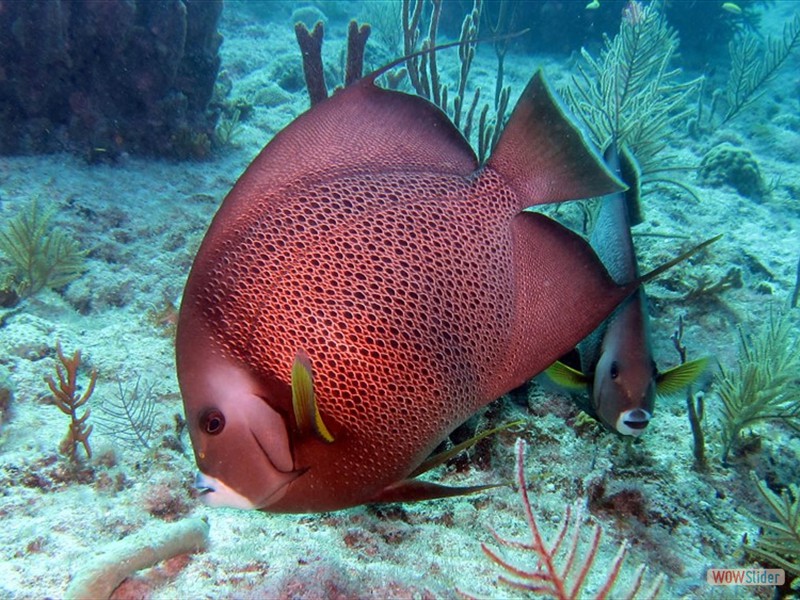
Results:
x,y
614,371
212,422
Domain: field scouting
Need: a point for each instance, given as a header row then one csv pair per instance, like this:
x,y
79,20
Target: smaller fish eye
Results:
x,y
212,422
614,370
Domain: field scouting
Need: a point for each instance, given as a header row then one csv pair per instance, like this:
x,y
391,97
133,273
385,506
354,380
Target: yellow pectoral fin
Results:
x,y
306,413
677,378
567,377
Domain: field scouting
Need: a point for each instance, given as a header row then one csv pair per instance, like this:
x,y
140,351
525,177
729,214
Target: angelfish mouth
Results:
x,y
202,485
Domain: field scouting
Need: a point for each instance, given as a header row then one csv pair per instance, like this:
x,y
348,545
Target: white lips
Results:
x,y
636,415
217,494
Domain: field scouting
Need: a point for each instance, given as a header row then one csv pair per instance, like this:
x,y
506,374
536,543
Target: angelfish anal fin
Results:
x,y
410,490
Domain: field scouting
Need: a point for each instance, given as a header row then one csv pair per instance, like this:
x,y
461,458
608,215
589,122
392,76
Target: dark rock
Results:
x,y
106,77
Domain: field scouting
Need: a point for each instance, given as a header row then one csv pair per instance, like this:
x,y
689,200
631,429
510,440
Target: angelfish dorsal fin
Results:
x,y
306,413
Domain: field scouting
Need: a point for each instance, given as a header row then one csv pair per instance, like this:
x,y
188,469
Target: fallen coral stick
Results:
x,y
143,549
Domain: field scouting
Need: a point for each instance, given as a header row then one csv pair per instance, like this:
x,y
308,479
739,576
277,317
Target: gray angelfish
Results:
x,y
617,358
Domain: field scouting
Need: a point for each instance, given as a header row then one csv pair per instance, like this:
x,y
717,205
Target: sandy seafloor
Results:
x,y
143,219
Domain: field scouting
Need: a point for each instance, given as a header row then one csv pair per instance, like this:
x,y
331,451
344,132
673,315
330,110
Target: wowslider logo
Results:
x,y
746,576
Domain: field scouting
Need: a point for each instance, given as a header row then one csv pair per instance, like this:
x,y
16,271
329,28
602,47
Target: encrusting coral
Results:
x,y
727,164
67,399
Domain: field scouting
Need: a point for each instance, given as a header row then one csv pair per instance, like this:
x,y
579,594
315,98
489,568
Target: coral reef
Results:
x,y
726,164
103,78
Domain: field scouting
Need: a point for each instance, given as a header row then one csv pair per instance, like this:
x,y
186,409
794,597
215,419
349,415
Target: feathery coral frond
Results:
x,y
779,545
129,417
40,256
631,95
764,384
754,64
562,566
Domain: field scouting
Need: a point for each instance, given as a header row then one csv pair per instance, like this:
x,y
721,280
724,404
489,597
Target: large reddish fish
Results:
x,y
367,286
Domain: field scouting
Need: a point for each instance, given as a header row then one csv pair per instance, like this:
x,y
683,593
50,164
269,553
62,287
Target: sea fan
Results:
x,y
754,64
631,95
129,416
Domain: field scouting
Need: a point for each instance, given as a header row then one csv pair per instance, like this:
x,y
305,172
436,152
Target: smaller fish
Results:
x,y
619,371
732,8
593,5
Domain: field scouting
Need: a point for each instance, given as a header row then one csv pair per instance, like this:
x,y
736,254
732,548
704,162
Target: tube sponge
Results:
x,y
102,574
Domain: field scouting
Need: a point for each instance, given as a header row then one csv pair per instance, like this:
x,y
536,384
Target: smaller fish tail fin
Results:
x,y
675,379
544,156
677,260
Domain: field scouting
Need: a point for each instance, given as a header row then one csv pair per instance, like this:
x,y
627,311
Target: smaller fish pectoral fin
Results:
x,y
567,377
674,380
439,459
410,490
306,412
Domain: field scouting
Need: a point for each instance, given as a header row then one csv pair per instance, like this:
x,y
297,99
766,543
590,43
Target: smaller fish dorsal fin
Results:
x,y
677,378
544,156
631,174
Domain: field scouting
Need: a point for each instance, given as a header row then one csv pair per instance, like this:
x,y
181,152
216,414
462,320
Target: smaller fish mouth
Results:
x,y
633,422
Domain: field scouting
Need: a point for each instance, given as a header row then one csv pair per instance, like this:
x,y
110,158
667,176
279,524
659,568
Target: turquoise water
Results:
x,y
128,126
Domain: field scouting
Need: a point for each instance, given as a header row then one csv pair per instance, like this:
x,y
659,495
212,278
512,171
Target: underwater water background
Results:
x,y
126,155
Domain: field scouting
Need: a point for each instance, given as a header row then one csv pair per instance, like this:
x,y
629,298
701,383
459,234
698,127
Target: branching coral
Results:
x,y
67,399
763,385
561,567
